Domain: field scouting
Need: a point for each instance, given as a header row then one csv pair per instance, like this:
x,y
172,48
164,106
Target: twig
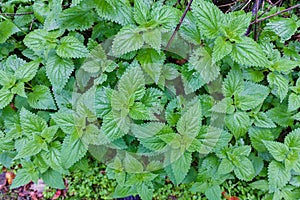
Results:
x,y
256,7
16,14
269,8
179,24
275,14
31,24
228,4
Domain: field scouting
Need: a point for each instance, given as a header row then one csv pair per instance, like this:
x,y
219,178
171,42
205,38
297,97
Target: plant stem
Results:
x,y
179,24
275,14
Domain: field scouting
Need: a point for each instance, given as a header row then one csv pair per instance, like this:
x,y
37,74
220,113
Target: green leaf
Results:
x,y
151,62
278,176
242,150
7,80
278,150
279,85
132,83
252,96
28,71
31,148
180,167
145,192
75,18
31,123
262,120
121,102
199,187
139,111
213,193
118,11
58,71
97,61
65,121
294,102
281,116
5,97
236,24
166,17
7,28
128,39
209,18
49,132
224,106
147,130
52,157
292,140
285,65
213,139
72,150
115,126
13,62
40,40
225,166
53,179
102,101
41,98
153,38
202,62
132,164
71,47
233,83
192,80
258,135
23,20
189,30
238,123
22,178
154,143
152,98
295,181
141,11
190,122
244,170
122,191
221,49
260,185
292,160
283,27
248,52
19,89
253,75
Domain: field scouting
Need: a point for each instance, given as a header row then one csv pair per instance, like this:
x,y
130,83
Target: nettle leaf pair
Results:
x,y
227,33
36,146
56,53
15,78
283,171
174,151
242,104
148,23
287,160
129,101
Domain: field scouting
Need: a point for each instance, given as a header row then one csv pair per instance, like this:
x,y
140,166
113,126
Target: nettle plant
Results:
x,y
102,78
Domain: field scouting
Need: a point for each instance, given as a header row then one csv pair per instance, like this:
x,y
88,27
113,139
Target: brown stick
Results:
x,y
269,8
179,24
275,14
16,14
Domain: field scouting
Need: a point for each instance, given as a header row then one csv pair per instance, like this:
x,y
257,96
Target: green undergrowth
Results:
x,y
177,98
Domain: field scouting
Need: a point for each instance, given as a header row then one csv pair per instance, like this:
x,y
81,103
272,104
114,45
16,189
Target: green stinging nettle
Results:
x,y
97,77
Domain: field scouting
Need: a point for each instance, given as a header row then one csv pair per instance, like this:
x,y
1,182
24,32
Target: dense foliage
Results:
x,y
207,107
